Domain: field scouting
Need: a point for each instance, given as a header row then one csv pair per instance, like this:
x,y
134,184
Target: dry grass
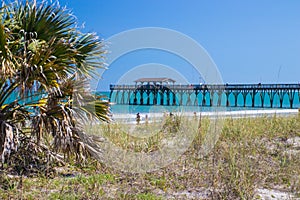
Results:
x,y
251,153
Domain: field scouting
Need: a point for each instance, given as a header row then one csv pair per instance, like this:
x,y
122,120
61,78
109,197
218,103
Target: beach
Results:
x,y
154,116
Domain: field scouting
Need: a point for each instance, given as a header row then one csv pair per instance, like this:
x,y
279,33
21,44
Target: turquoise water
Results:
x,y
30,98
118,108
132,109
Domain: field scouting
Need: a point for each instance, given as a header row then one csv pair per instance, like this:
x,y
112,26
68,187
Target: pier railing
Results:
x,y
210,86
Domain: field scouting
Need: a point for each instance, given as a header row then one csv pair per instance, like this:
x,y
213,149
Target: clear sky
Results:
x,y
250,41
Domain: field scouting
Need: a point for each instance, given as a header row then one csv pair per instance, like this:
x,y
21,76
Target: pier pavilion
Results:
x,y
164,91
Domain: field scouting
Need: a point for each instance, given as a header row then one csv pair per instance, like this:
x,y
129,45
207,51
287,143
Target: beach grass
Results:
x,y
250,154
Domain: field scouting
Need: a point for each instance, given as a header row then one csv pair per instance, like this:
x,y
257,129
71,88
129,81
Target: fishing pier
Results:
x,y
164,91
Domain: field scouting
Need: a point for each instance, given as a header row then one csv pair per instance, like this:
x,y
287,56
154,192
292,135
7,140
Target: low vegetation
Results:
x,y
251,153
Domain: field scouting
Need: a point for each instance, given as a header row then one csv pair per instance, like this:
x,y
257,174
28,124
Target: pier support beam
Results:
x,y
286,94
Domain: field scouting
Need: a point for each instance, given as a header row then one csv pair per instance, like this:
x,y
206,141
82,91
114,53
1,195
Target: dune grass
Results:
x,y
251,153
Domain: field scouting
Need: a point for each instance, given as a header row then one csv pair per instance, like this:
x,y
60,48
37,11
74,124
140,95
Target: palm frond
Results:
x,y
42,52
89,54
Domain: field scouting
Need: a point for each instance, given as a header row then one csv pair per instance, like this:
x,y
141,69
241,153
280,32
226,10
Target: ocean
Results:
x,y
133,109
126,110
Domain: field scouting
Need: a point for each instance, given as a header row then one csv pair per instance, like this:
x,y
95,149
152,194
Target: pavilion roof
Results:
x,y
155,80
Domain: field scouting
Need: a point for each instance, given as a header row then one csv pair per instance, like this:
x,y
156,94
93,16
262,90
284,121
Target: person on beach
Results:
x,y
146,119
138,118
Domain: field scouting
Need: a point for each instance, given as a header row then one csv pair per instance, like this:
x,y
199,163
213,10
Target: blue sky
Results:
x,y
250,41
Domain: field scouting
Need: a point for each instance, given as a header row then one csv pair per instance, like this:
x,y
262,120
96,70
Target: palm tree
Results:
x,y
43,52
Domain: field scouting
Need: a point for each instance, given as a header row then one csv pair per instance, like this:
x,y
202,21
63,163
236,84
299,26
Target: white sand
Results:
x,y
233,114
269,194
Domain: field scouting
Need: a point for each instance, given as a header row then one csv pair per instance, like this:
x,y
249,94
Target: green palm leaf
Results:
x,y
42,52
